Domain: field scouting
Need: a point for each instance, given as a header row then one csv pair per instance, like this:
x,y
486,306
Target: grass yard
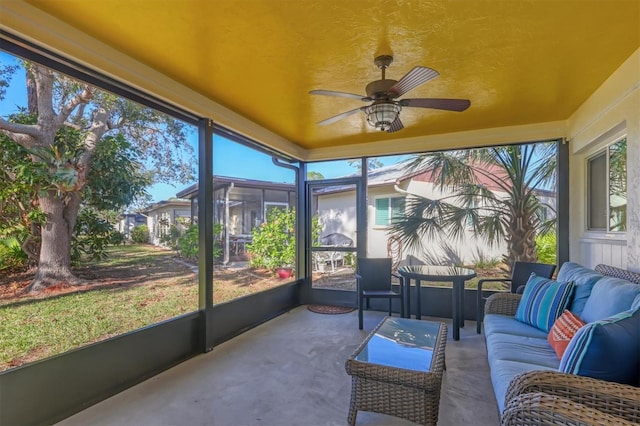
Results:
x,y
136,286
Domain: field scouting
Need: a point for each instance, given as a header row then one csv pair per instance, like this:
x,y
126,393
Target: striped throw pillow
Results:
x,y
608,349
543,301
565,327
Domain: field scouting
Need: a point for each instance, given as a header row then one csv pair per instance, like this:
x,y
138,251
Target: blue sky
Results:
x,y
229,159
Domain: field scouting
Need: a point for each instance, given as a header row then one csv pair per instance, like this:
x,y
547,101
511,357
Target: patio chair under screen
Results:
x,y
519,277
374,282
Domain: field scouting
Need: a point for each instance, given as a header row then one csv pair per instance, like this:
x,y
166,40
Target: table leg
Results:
x,y
461,311
407,296
455,308
418,303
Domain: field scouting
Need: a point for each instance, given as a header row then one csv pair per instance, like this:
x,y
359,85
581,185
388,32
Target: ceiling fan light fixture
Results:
x,y
382,115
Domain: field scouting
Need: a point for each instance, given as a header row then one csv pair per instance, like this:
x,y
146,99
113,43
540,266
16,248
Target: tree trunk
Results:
x,y
55,252
521,241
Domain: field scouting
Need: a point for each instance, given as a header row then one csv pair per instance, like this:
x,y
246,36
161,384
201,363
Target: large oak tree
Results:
x,y
58,104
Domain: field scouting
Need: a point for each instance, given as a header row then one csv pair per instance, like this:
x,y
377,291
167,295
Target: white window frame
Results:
x,y
602,151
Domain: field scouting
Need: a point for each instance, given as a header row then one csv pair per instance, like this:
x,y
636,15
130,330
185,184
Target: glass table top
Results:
x,y
435,271
402,343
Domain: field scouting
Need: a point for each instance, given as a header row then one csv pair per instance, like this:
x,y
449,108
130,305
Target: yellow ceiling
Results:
x,y
518,61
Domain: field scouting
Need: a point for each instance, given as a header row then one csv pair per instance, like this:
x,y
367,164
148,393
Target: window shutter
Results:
x,y
382,211
397,208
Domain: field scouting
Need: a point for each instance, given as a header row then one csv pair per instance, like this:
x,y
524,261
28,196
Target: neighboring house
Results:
x,y
388,188
128,221
164,214
239,206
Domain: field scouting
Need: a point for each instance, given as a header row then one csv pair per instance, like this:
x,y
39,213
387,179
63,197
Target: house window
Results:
x,y
164,223
607,189
388,209
268,206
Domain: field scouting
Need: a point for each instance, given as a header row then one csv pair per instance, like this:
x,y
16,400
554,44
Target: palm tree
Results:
x,y
493,191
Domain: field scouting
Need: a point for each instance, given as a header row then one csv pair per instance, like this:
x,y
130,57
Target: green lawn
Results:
x,y
139,285
39,328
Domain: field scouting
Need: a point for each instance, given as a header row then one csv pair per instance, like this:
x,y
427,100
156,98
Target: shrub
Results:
x,y
117,238
140,234
11,254
546,247
273,244
171,239
188,243
482,261
92,235
349,259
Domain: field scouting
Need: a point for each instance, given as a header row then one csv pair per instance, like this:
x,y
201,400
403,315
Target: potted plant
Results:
x,y
284,272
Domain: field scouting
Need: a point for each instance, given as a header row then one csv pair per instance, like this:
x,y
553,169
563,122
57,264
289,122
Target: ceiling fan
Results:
x,y
384,111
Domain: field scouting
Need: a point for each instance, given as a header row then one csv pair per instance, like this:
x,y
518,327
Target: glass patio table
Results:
x,y
453,274
398,370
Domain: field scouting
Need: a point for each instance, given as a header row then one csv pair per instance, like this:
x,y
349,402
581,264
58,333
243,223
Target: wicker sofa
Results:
x,y
524,368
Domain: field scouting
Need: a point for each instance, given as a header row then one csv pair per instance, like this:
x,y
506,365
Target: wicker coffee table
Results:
x,y
398,370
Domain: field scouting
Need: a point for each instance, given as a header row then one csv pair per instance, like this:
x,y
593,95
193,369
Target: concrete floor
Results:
x,y
290,371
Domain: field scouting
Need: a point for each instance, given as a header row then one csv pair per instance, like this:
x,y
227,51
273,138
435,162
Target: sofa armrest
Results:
x,y
611,398
502,303
539,408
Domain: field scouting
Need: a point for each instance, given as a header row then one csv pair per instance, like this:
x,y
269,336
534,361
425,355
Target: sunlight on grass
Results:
x,y
39,328
53,326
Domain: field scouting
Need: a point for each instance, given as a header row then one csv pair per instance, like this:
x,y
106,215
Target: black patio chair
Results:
x,y
374,282
519,277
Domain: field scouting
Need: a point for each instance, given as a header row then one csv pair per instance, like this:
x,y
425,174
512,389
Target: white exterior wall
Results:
x,y
170,214
126,224
337,214
467,248
614,107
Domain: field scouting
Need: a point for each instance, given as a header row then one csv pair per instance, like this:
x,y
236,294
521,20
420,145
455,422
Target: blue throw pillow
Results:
x,y
608,349
608,297
636,303
543,301
584,279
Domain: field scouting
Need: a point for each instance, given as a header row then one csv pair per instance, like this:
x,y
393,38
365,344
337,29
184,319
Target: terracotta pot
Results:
x,y
284,272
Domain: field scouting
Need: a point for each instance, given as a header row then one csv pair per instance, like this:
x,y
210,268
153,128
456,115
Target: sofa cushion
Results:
x,y
503,371
543,301
609,296
608,349
563,330
528,350
584,279
496,323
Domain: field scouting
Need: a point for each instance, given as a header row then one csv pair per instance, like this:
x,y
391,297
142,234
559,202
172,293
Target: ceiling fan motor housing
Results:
x,y
378,89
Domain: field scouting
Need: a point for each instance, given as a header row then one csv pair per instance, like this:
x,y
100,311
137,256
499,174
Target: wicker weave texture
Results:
x,y
621,401
408,394
534,409
502,303
612,271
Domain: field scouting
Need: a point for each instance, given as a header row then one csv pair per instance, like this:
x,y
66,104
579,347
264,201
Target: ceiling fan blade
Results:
x,y
411,80
338,117
396,125
339,94
437,103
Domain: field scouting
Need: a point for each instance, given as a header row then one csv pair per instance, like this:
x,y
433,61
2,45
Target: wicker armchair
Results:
x,y
554,398
502,303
